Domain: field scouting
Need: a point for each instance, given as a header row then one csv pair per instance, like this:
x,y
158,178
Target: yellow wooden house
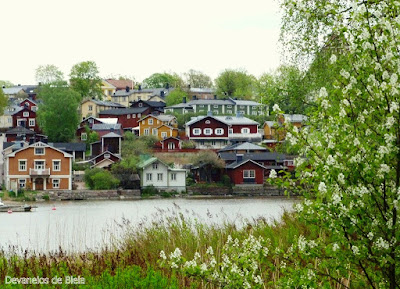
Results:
x,y
161,126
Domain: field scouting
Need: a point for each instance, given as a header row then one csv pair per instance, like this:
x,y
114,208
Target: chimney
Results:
x,y
238,114
140,87
45,140
215,96
19,84
184,99
31,140
40,83
162,93
127,88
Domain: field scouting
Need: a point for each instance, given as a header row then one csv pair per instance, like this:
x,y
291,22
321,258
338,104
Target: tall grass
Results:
x,y
135,257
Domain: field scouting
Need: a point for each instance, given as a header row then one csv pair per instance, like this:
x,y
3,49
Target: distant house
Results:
x,y
227,106
105,160
38,166
156,107
215,132
274,130
77,150
19,133
161,126
154,172
201,93
88,122
171,144
106,128
6,120
26,118
127,96
109,142
21,91
127,117
92,107
110,86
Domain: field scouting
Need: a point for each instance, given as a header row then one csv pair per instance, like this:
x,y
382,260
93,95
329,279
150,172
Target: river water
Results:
x,y
91,225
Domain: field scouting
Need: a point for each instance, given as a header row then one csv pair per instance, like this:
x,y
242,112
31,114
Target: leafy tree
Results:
x,y
99,179
285,87
235,83
48,73
159,80
84,79
92,137
125,170
3,101
208,161
133,146
175,96
58,111
196,78
350,175
6,83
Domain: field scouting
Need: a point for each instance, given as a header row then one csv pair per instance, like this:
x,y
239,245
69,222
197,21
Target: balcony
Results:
x,y
39,172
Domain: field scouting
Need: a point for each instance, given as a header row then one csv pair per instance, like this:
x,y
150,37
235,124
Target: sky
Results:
x,y
138,38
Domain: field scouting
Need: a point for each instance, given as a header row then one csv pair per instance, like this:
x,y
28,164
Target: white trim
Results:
x,y
44,151
54,170
26,165
249,172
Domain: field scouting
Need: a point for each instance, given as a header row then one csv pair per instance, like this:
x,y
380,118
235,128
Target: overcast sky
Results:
x,y
138,38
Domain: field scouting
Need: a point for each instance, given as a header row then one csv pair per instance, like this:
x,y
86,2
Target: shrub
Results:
x,y
104,180
150,191
46,197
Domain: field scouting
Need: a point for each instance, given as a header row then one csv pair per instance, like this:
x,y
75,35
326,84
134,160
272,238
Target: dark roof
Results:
x,y
68,146
267,156
122,111
151,103
106,126
7,144
20,130
243,146
242,162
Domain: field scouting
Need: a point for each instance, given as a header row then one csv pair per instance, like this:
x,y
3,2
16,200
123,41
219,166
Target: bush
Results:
x,y
150,191
98,179
226,181
46,197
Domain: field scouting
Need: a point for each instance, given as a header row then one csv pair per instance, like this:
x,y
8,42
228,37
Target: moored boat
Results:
x,y
15,208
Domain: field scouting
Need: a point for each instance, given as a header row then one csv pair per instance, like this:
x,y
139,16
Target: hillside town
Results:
x,y
225,127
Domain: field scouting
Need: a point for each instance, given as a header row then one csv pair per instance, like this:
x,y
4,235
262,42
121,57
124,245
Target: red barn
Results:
x,y
246,172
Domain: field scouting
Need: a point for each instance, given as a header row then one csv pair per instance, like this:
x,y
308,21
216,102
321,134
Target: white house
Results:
x,y
154,172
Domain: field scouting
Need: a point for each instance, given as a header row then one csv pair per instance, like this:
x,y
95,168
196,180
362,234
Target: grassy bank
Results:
x,y
135,262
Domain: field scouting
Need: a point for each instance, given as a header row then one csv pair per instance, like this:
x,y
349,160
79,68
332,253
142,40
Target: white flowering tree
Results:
x,y
351,171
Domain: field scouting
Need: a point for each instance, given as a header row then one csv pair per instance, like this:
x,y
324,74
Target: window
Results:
x,y
26,114
171,146
148,177
207,131
146,131
56,165
9,120
230,131
215,112
90,108
39,165
207,122
140,104
150,121
107,156
22,183
20,122
39,151
254,113
34,108
128,116
219,131
215,106
196,131
154,131
249,174
229,106
163,134
242,106
139,115
173,177
22,165
133,115
213,143
201,105
245,130
229,111
31,122
56,183
124,99
159,177
155,166
84,136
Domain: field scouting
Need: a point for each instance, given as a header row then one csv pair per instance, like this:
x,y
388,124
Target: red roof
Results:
x,y
121,84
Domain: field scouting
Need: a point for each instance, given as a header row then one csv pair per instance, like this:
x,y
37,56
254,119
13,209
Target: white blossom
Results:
x,y
333,59
323,93
322,187
335,247
272,174
276,108
162,255
356,250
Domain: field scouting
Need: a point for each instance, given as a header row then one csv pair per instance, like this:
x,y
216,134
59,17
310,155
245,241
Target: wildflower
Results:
x,y
370,235
272,174
335,247
341,178
382,244
323,93
336,198
333,59
176,254
322,187
203,268
210,251
355,250
162,255
389,122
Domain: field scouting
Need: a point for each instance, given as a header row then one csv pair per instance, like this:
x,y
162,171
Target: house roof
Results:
x,y
151,91
245,102
234,165
106,126
12,109
265,156
157,104
123,111
211,102
106,152
148,162
162,117
120,84
104,103
181,105
41,144
243,146
229,120
20,130
110,135
171,137
69,146
12,90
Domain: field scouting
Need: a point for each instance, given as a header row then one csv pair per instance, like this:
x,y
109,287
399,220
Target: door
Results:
x,y
39,184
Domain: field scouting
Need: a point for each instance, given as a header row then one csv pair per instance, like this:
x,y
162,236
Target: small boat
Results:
x,y
15,208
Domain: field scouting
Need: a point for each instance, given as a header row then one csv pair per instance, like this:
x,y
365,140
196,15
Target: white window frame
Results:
x,y
22,183
55,169
146,131
139,115
245,130
171,145
32,122
229,106
149,176
154,131
40,154
151,121
229,111
196,131
219,131
84,136
249,174
128,116
207,121
107,156
56,183
164,134
173,176
25,114
230,131
37,167
133,115
155,166
215,106
159,177
90,108
24,168
207,131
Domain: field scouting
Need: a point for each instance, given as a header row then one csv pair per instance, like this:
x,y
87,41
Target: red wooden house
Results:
x,y
171,144
88,122
26,118
29,103
246,172
127,117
